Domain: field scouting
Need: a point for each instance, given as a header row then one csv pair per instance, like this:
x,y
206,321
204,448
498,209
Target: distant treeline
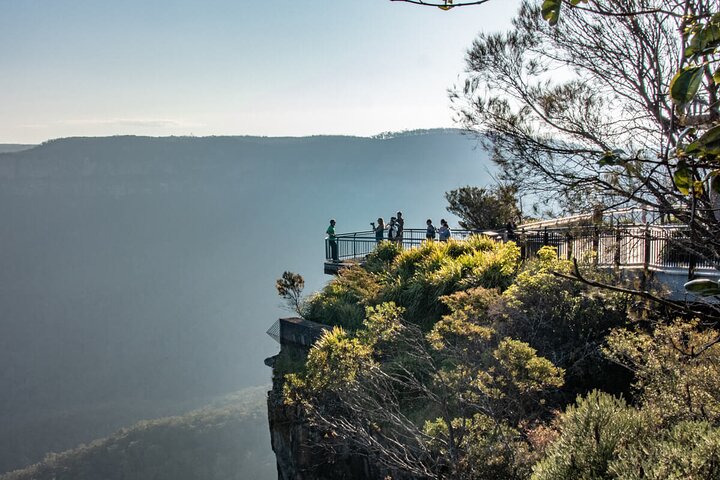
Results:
x,y
224,442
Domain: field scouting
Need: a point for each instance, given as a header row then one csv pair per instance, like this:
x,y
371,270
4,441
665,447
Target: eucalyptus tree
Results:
x,y
616,104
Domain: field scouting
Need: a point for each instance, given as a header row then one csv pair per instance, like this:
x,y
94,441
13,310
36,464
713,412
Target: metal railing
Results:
x,y
648,247
357,245
627,216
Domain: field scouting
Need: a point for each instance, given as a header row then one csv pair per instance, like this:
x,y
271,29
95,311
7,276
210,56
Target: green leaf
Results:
x,y
716,76
685,84
698,188
551,11
703,287
708,141
683,178
611,158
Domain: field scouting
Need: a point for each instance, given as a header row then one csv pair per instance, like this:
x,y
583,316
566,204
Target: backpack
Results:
x,y
392,231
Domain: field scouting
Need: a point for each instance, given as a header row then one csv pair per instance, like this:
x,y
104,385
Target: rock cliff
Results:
x,y
295,442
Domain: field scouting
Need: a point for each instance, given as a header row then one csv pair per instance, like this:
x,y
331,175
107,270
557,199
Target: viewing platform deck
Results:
x,y
354,247
652,250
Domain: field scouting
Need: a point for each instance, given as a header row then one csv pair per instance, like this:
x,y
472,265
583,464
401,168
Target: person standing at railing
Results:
x,y
401,227
444,232
332,241
431,230
379,230
392,230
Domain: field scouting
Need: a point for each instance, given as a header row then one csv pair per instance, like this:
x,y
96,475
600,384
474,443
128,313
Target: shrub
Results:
x,y
383,255
690,451
677,369
592,434
342,302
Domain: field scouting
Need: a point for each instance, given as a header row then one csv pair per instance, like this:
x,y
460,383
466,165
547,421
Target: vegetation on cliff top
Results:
x,y
456,361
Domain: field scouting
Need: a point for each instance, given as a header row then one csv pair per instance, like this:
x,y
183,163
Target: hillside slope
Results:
x,y
215,443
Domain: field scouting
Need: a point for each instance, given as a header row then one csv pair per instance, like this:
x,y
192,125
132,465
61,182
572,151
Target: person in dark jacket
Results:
x,y
431,230
379,229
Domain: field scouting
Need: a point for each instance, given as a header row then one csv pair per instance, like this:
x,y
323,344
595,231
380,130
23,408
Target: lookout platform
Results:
x,y
630,241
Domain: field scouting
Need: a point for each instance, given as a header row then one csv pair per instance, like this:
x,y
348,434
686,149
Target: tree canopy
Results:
x,y
484,208
613,105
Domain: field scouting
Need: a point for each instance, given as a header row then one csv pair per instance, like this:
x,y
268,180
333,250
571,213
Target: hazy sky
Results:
x,y
230,67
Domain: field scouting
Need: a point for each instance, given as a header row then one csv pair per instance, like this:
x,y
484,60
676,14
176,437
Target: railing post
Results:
x,y
596,246
523,247
568,239
692,260
545,237
354,244
618,240
646,257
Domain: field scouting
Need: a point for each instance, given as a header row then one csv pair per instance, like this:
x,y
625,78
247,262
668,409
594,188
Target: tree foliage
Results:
x,y
462,357
459,393
290,287
414,279
677,369
430,408
484,208
632,120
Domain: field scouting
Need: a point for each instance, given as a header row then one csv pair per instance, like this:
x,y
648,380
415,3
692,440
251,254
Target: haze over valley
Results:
x,y
137,274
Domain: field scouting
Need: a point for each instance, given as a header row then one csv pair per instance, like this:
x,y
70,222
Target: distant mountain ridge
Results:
x,y
14,147
138,273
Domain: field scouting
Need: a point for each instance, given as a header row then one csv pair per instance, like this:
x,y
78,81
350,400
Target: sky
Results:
x,y
231,67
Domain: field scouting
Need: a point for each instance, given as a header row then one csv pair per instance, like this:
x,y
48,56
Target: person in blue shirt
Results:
x,y
444,232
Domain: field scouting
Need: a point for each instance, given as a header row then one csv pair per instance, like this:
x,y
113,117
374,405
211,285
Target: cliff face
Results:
x,y
295,442
298,457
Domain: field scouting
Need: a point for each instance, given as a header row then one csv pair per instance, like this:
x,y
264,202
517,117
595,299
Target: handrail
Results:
x,y
356,245
624,246
638,215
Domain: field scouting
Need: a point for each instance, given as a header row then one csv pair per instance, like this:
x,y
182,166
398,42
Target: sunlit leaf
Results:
x,y
551,11
611,158
708,141
698,188
683,178
685,84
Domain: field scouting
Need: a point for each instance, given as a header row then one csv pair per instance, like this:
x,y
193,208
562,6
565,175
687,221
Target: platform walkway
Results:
x,y
655,250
